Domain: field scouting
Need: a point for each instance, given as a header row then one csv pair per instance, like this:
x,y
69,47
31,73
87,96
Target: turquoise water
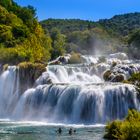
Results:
x,y
44,131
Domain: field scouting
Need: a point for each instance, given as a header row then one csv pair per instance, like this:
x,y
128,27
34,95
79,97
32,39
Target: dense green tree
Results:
x,y
21,36
134,44
58,42
68,25
122,24
6,3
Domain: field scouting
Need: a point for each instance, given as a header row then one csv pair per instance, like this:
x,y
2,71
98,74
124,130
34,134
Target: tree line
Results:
x,y
23,38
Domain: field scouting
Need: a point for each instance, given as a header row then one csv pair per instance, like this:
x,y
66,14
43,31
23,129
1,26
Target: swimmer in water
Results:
x,y
70,131
59,131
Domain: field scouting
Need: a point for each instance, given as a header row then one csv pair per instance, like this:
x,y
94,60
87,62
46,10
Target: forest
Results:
x,y
24,38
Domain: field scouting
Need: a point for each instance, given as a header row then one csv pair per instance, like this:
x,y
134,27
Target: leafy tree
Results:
x,y
21,36
58,42
6,3
134,44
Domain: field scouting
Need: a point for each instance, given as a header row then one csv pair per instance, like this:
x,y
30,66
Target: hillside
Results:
x,y
110,35
122,24
68,25
118,25
21,36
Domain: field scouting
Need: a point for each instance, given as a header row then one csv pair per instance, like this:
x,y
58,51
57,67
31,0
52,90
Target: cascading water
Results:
x,y
69,94
9,91
77,104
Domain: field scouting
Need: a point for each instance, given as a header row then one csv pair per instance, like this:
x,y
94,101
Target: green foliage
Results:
x,y
6,3
122,24
58,42
134,44
135,79
84,37
129,129
5,33
68,25
135,38
20,31
21,36
89,41
71,47
10,55
108,35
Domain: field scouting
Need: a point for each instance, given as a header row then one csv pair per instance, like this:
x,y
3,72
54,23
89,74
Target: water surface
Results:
x,y
44,131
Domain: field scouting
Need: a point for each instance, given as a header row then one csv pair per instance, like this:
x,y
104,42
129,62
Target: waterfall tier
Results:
x,y
69,93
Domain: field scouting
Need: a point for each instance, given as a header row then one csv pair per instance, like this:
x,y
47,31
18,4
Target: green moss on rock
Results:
x,y
29,72
5,67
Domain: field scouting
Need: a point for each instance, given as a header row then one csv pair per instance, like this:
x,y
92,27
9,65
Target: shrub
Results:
x,y
75,58
135,79
128,129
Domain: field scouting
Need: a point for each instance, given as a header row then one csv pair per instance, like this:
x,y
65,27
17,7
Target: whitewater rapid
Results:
x,y
71,94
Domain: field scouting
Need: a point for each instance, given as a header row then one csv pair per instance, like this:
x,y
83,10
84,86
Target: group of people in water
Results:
x,y
70,131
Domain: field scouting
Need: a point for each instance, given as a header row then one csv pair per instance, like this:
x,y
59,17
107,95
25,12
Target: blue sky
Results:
x,y
82,9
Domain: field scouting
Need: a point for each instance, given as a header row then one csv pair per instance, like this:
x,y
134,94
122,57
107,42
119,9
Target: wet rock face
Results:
x,y
3,67
107,75
61,60
28,73
118,78
0,68
110,76
120,72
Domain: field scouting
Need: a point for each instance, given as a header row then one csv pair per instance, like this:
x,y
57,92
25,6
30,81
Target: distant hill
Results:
x,y
68,25
119,33
117,25
122,24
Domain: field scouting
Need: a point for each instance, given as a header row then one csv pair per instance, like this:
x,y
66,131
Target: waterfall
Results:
x,y
73,74
77,104
9,90
70,93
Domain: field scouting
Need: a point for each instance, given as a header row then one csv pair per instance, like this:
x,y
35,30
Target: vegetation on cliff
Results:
x,y
134,79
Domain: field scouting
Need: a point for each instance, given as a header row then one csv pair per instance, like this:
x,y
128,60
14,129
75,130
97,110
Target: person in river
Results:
x,y
70,131
59,131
